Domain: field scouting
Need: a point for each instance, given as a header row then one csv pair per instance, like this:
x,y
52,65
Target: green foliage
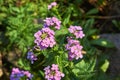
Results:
x,y
84,69
20,25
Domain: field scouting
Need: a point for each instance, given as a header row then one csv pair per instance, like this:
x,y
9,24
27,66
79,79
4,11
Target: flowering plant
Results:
x,y
61,42
45,39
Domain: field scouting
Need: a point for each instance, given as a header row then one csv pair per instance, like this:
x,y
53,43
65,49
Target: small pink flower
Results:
x,y
77,31
49,6
74,49
28,74
45,38
53,73
54,67
52,22
52,5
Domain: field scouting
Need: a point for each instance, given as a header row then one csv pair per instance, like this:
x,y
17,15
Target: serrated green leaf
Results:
x,y
84,68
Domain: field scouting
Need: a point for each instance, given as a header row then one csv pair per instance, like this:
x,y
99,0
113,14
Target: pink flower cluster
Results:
x,y
17,74
77,31
53,21
52,5
45,38
53,73
74,48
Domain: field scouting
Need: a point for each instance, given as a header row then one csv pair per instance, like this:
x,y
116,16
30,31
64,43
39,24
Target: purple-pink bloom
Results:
x,y
52,5
17,74
31,56
54,67
45,38
74,49
77,31
52,21
49,7
28,74
53,73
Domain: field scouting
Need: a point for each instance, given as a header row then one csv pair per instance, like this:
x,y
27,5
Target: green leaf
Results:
x,y
20,62
23,64
66,20
81,64
88,25
45,53
91,32
102,42
76,71
85,66
92,11
84,69
62,31
91,65
41,74
16,9
105,66
116,23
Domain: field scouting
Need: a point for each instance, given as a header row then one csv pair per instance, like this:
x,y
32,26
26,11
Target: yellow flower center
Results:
x,y
44,35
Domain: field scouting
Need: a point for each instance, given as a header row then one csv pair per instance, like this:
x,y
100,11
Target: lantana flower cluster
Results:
x,y
17,74
52,21
74,49
45,38
77,31
53,73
